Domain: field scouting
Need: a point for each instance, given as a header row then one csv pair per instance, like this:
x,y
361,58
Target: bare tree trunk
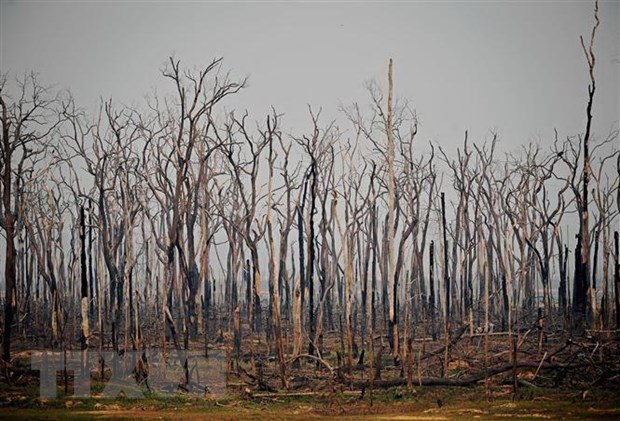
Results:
x,y
311,257
605,299
91,276
84,279
297,326
100,309
8,223
582,282
617,279
431,276
446,281
562,256
391,222
592,291
274,268
347,248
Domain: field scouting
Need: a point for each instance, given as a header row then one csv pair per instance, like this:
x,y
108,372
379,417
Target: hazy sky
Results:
x,y
516,67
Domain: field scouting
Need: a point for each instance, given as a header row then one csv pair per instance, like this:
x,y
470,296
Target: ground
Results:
x,y
580,381
422,403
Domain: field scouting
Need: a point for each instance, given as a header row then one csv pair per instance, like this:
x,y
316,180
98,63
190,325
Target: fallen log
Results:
x,y
360,367
311,357
258,381
300,394
465,381
452,342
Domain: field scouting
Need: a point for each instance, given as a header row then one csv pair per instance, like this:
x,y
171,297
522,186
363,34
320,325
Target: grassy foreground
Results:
x,y
426,403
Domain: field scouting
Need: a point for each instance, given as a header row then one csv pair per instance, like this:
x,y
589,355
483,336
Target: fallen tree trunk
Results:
x,y
452,342
465,381
301,394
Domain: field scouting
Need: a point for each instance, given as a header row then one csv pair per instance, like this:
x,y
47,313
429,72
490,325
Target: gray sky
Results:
x,y
516,67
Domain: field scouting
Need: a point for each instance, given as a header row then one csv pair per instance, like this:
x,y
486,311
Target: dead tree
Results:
x,y
317,147
328,272
270,135
84,281
582,272
617,278
244,174
463,178
391,220
287,219
354,209
175,181
603,197
446,279
381,130
42,209
106,149
28,119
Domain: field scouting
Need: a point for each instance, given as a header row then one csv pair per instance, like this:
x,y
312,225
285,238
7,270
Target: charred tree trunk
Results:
x,y
617,279
431,299
298,293
84,281
446,283
9,230
582,283
446,275
91,276
562,257
579,285
310,272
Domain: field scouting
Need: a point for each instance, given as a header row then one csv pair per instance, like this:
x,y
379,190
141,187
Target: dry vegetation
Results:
x,y
387,270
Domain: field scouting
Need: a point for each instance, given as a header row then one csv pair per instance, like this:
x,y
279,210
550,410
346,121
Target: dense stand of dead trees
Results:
x,y
151,228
